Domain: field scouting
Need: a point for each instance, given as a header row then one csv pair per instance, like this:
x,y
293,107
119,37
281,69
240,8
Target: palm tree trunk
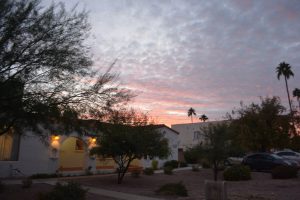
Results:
x,y
287,90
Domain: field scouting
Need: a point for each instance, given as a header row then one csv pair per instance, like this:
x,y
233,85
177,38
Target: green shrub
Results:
x,y
26,183
178,189
148,171
71,191
171,163
284,172
154,164
237,173
195,168
41,176
182,164
136,173
205,164
168,170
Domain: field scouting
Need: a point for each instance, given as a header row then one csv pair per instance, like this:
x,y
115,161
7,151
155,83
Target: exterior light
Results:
x,y
94,140
56,137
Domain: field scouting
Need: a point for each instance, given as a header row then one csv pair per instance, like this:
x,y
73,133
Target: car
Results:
x,y
265,161
290,155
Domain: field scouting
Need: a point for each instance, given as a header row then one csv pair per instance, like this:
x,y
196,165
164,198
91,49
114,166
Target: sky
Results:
x,y
209,55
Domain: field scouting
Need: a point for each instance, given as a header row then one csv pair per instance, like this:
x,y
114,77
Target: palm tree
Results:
x,y
284,69
296,93
203,118
191,112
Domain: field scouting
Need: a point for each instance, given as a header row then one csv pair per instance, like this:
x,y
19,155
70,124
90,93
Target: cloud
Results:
x,y
209,55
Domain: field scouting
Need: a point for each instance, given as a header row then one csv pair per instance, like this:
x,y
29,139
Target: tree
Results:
x,y
191,112
261,127
203,118
46,68
216,145
284,69
296,93
130,137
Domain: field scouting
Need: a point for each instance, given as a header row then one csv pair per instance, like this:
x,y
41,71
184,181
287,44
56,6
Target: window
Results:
x,y
9,146
197,135
79,145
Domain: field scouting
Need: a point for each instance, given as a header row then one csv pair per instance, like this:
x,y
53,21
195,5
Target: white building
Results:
x,y
190,134
66,154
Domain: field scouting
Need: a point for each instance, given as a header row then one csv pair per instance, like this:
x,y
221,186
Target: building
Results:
x,y
65,154
191,133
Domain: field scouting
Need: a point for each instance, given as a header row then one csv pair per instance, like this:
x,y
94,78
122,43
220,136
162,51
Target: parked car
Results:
x,y
265,161
290,155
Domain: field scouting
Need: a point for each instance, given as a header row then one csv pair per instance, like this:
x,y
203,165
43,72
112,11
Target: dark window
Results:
x,y
79,145
286,154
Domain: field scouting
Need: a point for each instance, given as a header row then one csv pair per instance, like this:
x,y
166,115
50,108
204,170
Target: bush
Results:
x,y
168,170
237,173
284,172
26,183
148,171
71,191
41,176
171,163
173,189
195,168
205,164
182,164
136,173
154,164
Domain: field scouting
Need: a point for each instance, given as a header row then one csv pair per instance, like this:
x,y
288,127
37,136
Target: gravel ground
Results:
x,y
261,187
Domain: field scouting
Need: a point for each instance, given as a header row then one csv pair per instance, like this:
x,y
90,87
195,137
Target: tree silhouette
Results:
x,y
191,112
284,69
203,118
296,93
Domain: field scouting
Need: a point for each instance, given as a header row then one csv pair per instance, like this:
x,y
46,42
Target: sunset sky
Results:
x,y
209,55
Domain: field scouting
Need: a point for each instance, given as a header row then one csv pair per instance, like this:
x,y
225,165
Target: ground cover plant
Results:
x,y
237,173
177,189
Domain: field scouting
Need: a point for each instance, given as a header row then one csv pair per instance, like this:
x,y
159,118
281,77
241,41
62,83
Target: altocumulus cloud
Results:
x,y
209,55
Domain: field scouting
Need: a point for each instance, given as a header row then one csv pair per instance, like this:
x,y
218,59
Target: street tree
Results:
x,y
263,126
46,73
130,137
296,93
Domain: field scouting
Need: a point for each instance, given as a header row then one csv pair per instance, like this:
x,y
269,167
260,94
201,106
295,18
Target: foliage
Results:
x,y
148,171
192,155
191,112
154,164
26,183
71,191
284,69
195,168
42,176
46,70
216,145
284,172
128,138
172,163
136,173
205,164
296,93
182,164
203,118
237,173
261,127
295,143
177,189
168,170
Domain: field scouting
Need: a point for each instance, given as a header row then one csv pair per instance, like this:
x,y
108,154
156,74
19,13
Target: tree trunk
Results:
x,y
215,169
287,90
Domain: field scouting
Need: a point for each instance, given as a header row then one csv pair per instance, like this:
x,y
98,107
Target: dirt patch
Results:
x,y
261,187
16,192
